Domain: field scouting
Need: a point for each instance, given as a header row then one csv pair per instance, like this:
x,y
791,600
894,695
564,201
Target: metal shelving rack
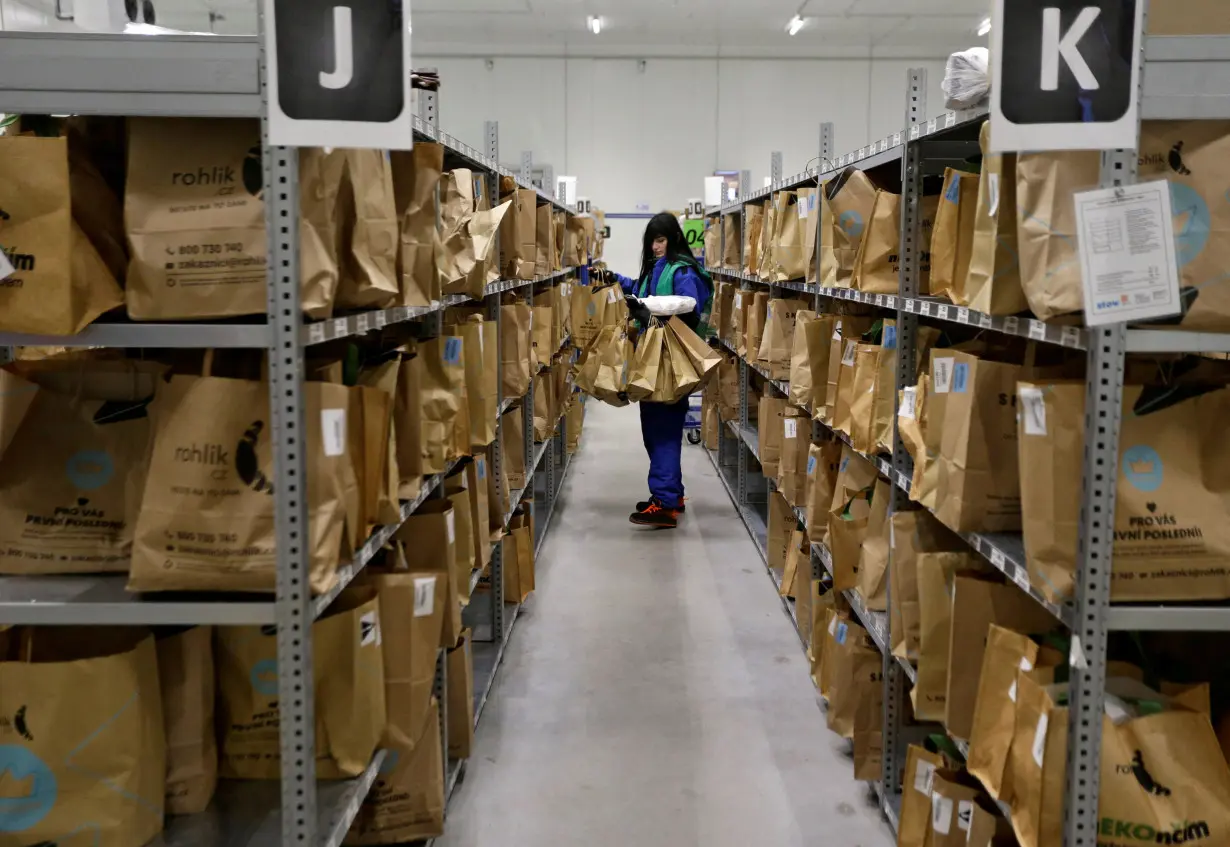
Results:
x,y
192,76
1183,78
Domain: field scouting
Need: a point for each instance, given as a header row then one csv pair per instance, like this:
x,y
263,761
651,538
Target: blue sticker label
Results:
x,y
811,202
1142,467
37,792
1192,222
953,194
890,337
845,463
811,464
482,468
264,677
90,469
960,377
851,223
842,631
591,309
452,351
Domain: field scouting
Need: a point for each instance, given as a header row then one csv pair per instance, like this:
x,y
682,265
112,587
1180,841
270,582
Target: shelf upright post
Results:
x,y
527,167
293,604
527,415
496,595
827,142
745,184
429,104
775,168
1103,418
439,689
745,372
907,329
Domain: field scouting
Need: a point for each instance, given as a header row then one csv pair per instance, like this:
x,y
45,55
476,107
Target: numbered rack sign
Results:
x,y
1066,74
339,73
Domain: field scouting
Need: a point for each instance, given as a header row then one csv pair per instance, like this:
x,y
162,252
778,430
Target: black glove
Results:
x,y
637,310
605,277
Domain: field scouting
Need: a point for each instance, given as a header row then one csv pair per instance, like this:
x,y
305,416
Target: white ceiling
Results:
x,y
752,28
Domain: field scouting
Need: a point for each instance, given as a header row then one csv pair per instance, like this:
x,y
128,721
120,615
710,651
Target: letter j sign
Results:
x,y
1065,74
338,73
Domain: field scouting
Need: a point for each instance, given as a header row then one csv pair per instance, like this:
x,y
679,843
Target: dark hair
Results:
x,y
664,224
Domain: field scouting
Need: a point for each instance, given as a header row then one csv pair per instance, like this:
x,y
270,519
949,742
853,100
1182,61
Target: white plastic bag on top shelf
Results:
x,y
966,79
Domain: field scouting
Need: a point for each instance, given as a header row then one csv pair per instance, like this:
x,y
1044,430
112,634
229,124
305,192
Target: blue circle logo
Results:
x,y
591,309
1191,222
391,759
1142,467
36,789
90,469
851,223
264,677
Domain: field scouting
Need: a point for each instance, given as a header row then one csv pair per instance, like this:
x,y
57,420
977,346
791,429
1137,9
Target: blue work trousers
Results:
x,y
662,430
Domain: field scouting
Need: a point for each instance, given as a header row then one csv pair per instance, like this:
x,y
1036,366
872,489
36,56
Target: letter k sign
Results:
x,y
1066,74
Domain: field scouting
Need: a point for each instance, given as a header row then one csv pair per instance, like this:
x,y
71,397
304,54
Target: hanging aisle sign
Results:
x,y
1065,74
338,73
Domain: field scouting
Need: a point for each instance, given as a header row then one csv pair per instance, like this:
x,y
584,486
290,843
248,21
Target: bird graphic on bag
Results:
x,y
1145,778
246,463
1176,160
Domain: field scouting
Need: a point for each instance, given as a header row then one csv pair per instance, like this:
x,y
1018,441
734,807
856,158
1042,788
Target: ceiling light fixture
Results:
x,y
595,24
985,26
796,24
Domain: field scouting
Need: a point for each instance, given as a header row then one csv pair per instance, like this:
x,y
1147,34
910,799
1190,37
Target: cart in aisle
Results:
x,y
692,423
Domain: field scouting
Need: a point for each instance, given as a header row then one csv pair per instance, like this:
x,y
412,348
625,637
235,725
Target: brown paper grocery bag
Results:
x,y
798,557
606,369
800,362
851,198
978,481
795,450
416,175
740,306
777,342
463,527
878,258
440,399
412,612
912,533
995,707
935,573
545,236
72,467
190,177
186,678
855,659
679,378
720,318
1172,541
953,798
873,558
915,821
772,412
788,256
575,423
809,219
782,523
768,237
481,360
480,505
827,271
952,237
847,529
348,671
643,375
758,314
862,400
542,338
384,376
527,232
818,341
369,231
82,738
713,245
59,284
516,351
731,241
512,433
976,605
519,559
753,214
406,803
994,281
461,698
589,307
209,492
703,358
823,463
543,389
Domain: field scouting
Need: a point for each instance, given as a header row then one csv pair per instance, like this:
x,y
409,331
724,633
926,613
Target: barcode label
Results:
x,y
909,400
333,431
1021,579
924,777
1012,325
340,329
985,321
941,312
382,319
424,596
791,428
963,315
363,325
1033,410
997,557
1071,336
941,813
1037,330
847,358
942,378
316,332
924,308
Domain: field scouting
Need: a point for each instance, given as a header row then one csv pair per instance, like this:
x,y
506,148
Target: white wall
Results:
x,y
633,137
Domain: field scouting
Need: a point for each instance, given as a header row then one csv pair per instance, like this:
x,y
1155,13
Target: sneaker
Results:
x,y
644,504
655,515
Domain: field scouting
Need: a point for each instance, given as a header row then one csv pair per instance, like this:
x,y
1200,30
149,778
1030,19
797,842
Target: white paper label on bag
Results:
x,y
333,431
424,596
965,815
790,428
941,813
992,194
924,776
1033,410
847,358
1127,249
738,299
452,528
942,378
802,211
909,399
369,630
833,624
612,296
1039,748
1012,692
6,267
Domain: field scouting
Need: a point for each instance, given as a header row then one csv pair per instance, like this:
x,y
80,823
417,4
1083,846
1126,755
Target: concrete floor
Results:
x,y
654,692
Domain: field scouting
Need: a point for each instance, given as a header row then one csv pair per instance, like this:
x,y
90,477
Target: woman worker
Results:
x,y
671,282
